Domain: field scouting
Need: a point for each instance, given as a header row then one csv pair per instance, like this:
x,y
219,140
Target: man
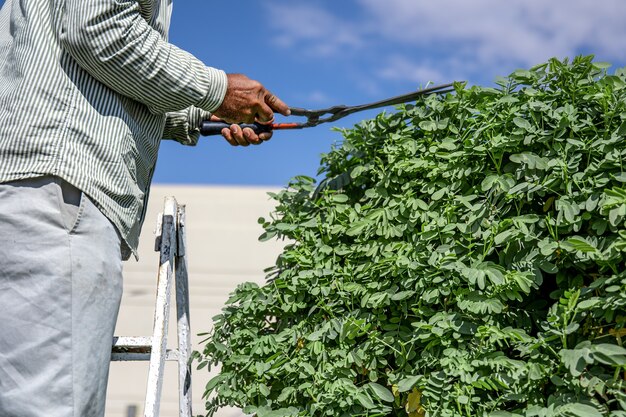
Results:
x,y
87,91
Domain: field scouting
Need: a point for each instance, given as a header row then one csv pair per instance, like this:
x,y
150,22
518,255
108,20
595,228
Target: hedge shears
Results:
x,y
331,114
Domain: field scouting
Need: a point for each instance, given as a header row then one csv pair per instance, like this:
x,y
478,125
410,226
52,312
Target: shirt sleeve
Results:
x,y
184,126
113,42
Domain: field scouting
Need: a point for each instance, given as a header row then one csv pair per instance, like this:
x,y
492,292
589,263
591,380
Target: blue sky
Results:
x,y
318,53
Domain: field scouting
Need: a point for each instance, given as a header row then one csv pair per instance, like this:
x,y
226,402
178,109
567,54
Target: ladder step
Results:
x,y
137,349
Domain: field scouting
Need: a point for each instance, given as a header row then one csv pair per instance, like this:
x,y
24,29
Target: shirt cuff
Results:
x,y
216,84
184,126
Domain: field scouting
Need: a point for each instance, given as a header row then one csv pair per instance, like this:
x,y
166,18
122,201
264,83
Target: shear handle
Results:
x,y
215,128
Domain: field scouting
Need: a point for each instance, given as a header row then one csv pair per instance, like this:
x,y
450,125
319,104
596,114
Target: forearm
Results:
x,y
112,42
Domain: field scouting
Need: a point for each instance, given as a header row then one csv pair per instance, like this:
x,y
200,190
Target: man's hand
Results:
x,y
247,101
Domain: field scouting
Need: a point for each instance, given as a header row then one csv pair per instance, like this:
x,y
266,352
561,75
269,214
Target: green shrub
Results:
x,y
463,256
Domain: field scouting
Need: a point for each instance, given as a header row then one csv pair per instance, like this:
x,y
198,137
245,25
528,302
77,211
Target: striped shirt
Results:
x,y
87,91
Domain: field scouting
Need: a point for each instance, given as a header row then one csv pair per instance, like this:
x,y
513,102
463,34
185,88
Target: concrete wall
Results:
x,y
223,250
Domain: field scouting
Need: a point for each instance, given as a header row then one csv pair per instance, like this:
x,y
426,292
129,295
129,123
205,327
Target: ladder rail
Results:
x,y
170,242
183,325
161,314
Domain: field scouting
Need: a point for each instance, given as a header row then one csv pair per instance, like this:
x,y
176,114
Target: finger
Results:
x,y
264,115
237,134
265,136
258,119
277,104
228,136
251,137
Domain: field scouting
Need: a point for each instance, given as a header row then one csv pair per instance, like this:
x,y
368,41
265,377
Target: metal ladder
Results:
x,y
170,243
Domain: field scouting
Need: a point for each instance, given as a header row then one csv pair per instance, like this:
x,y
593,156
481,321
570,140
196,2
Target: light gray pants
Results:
x,y
60,291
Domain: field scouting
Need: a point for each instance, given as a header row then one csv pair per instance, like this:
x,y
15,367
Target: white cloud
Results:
x,y
401,68
424,39
313,30
522,31
315,98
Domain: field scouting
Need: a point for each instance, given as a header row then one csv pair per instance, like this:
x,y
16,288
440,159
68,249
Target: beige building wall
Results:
x,y
223,251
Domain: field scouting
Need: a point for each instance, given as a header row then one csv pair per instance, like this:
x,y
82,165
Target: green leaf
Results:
x,y
220,346
365,400
281,412
357,171
357,228
264,390
381,392
576,360
309,369
523,123
402,295
580,410
406,384
437,195
214,382
580,244
285,393
504,236
267,236
428,125
309,223
609,354
567,209
602,65
340,198
530,159
621,177
286,227
587,304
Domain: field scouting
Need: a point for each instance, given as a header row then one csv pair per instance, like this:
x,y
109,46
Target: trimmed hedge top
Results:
x,y
463,256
